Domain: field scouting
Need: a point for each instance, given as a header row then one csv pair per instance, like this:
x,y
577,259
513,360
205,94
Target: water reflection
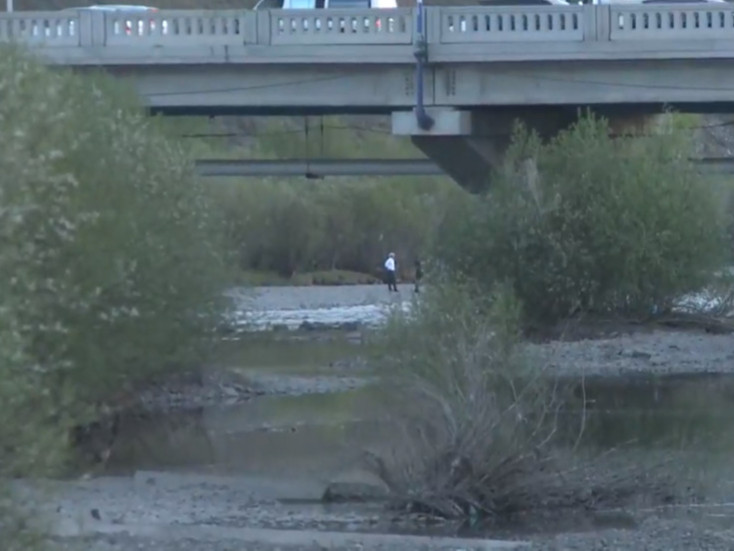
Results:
x,y
317,434
310,435
682,411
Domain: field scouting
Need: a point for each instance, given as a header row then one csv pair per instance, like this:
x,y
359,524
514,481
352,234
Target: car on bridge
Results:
x,y
344,22
127,26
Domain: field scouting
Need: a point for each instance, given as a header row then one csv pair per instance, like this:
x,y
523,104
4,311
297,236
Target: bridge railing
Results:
x,y
443,25
345,26
508,24
655,22
54,27
175,27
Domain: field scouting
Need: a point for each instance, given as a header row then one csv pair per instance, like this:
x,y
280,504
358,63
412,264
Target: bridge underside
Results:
x,y
710,108
469,145
642,86
474,104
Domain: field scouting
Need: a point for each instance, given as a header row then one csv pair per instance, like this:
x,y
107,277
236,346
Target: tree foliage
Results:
x,y
587,223
291,227
110,267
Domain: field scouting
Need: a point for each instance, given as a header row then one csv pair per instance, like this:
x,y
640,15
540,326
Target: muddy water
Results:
x,y
314,435
318,433
290,445
664,412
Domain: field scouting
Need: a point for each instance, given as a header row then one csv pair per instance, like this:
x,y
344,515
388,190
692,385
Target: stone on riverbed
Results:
x,y
345,492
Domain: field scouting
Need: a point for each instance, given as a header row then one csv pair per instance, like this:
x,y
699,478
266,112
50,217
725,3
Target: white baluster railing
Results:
x,y
345,26
671,22
53,28
511,24
175,27
445,25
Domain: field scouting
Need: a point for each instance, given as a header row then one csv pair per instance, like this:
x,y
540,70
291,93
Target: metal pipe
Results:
x,y
425,121
317,168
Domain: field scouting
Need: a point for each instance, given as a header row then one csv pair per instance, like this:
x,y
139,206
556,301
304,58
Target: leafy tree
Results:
x,y
589,223
110,250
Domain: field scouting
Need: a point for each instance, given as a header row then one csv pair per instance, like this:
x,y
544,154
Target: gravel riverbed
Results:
x,y
654,535
126,504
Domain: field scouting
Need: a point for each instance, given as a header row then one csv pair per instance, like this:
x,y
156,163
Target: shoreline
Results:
x,y
609,349
648,353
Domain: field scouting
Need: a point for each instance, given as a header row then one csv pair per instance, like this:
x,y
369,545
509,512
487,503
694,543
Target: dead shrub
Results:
x,y
478,421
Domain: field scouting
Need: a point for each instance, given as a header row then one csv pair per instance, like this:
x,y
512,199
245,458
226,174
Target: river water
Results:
x,y
265,308
321,411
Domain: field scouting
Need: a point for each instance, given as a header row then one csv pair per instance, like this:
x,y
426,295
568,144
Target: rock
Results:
x,y
342,492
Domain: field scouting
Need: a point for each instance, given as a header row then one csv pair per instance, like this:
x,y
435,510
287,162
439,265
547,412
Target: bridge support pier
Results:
x,y
469,144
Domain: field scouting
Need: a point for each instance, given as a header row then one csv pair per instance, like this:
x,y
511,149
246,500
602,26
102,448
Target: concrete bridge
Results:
x,y
454,77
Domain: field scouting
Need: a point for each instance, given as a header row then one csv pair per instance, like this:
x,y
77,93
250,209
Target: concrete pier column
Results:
x,y
469,145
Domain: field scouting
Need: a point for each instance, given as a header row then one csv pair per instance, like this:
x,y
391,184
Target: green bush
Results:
x,y
110,250
587,223
291,227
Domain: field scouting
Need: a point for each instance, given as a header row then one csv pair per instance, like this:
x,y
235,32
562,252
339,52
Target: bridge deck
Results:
x,y
363,60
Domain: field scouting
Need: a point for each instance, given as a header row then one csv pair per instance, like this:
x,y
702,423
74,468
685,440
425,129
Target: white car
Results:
x,y
126,27
353,25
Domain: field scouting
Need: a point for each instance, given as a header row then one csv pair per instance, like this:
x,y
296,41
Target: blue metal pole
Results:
x,y
425,121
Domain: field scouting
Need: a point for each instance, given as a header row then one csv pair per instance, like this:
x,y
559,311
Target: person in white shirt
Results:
x,y
390,271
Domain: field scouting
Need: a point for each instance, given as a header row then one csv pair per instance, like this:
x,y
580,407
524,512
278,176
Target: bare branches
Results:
x,y
481,426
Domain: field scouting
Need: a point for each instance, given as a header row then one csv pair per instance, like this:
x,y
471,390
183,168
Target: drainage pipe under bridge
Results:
x,y
320,168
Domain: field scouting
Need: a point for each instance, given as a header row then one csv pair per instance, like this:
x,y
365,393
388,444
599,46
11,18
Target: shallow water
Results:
x,y
267,308
310,435
285,433
301,442
293,307
673,411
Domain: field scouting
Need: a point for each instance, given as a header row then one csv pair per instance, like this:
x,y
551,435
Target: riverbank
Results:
x,y
253,442
648,353
654,535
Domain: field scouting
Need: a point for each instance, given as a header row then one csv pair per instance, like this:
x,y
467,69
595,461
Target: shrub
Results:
x,y
290,227
28,442
110,251
490,419
484,431
587,223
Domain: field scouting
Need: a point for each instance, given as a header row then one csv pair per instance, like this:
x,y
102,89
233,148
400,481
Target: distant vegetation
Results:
x,y
591,224
335,230
604,224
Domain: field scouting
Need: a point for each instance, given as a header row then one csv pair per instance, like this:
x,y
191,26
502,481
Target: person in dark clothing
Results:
x,y
418,275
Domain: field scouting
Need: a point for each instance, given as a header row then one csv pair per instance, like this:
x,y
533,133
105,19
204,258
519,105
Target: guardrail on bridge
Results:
x,y
444,25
